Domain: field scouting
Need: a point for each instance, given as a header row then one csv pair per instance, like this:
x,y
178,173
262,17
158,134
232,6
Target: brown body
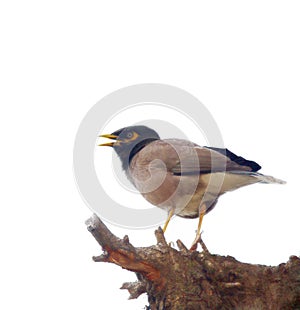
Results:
x,y
169,175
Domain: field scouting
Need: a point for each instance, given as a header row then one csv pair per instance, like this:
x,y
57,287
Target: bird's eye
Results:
x,y
129,135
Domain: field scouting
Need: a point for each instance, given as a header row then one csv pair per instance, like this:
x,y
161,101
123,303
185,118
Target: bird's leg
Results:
x,y
198,235
170,214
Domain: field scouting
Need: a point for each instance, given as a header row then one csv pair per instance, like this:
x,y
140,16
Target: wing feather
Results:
x,y
183,157
207,160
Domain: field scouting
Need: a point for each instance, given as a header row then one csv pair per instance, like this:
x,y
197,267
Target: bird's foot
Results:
x,y
197,240
194,246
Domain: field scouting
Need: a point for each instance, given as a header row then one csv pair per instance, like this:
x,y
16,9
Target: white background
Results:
x,y
58,58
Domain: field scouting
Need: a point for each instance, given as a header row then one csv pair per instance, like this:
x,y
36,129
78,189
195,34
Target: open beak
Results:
x,y
108,136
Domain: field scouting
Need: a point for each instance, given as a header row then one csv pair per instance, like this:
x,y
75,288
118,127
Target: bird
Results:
x,y
178,175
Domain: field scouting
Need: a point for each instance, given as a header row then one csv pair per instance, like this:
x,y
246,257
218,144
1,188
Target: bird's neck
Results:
x,y
140,146
128,156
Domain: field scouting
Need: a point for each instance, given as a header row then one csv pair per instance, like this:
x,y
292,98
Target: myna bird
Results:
x,y
180,176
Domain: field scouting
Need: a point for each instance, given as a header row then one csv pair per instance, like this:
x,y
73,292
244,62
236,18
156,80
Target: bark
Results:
x,y
181,279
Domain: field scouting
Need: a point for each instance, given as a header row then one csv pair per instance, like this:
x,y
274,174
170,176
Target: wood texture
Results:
x,y
180,279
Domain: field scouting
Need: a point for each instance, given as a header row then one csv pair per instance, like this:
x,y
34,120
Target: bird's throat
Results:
x,y
127,156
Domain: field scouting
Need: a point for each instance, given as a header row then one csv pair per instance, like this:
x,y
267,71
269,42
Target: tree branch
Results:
x,y
192,280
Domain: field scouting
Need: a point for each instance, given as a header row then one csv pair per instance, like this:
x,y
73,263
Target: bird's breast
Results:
x,y
165,190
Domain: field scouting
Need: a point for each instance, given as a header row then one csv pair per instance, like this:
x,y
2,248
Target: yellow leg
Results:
x,y
170,214
198,235
200,222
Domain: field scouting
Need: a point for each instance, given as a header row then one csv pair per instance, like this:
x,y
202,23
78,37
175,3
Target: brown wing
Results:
x,y
185,157
204,160
237,159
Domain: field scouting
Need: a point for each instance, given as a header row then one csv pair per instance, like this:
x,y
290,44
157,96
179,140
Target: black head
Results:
x,y
129,141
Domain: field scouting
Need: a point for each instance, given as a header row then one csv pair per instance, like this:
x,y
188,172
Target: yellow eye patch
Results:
x,y
134,137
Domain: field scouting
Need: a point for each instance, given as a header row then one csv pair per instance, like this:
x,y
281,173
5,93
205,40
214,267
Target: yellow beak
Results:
x,y
108,136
